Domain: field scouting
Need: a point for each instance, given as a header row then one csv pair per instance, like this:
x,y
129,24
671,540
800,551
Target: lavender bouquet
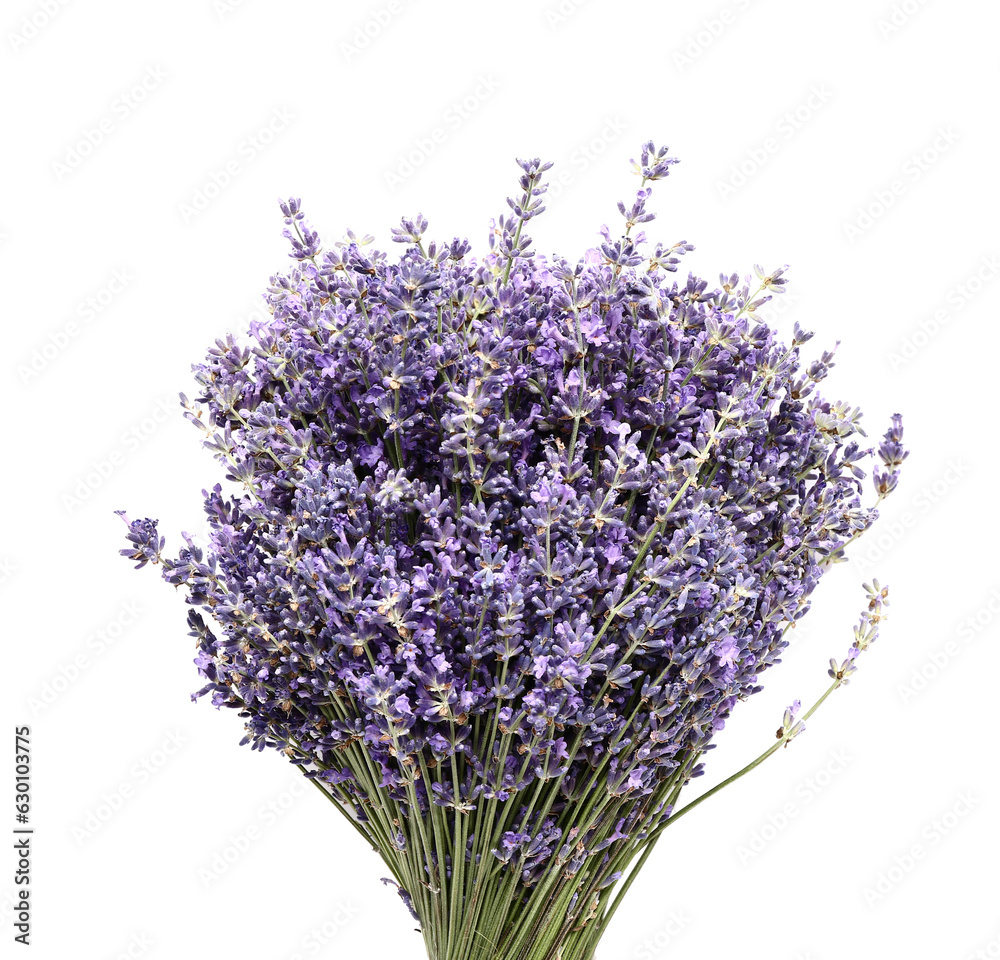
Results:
x,y
512,536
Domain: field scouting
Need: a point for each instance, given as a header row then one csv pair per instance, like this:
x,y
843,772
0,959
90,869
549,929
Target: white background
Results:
x,y
877,833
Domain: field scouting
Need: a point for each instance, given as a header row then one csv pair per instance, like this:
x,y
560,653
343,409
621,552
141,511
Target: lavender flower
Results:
x,y
790,726
507,540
